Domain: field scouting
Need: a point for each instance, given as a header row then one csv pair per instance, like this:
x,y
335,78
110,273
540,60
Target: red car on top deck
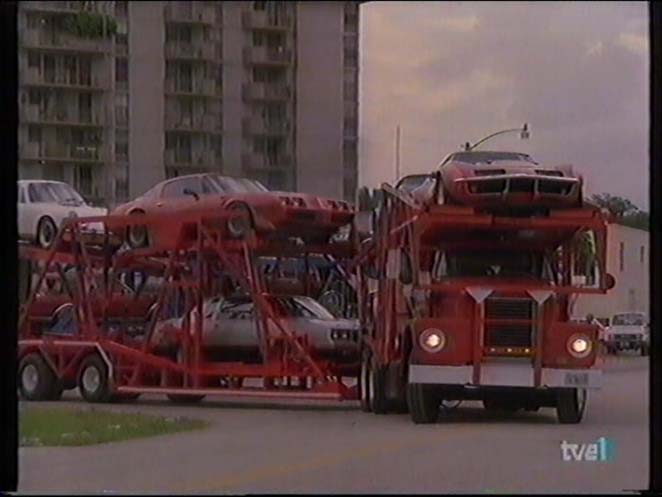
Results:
x,y
286,214
488,179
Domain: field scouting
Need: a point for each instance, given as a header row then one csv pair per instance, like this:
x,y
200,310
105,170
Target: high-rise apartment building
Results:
x,y
116,96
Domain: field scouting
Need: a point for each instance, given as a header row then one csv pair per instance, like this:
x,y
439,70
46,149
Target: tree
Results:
x,y
625,212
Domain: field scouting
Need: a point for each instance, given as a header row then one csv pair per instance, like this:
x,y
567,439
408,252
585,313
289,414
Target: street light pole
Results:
x,y
397,152
524,135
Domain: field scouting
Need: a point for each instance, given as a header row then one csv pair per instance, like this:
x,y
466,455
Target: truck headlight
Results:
x,y
579,346
432,340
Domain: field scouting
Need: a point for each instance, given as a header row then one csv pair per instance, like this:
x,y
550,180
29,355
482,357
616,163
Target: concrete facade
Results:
x,y
628,262
267,90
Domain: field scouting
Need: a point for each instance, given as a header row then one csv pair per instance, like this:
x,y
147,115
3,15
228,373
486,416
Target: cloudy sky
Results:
x,y
451,72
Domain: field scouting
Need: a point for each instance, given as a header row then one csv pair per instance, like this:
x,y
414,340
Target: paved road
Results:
x,y
253,448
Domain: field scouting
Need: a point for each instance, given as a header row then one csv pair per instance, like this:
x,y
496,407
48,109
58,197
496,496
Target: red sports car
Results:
x,y
310,217
492,179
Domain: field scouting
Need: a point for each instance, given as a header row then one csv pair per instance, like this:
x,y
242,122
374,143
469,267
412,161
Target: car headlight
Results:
x,y
72,214
579,346
432,340
285,201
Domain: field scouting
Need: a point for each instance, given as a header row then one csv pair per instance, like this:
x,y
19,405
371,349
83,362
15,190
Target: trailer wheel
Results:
x,y
571,404
36,379
377,388
93,381
364,382
423,404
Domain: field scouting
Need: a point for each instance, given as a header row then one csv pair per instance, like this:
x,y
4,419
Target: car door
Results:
x,y
235,326
175,196
27,214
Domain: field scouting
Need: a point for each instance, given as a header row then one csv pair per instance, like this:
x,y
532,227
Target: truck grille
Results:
x,y
507,334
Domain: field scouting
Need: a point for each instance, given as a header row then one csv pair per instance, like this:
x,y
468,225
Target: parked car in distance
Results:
x,y
628,331
44,205
230,324
301,215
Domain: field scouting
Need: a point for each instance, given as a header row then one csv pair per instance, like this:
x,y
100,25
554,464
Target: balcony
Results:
x,y
56,151
31,77
201,87
57,40
257,126
30,151
64,7
190,51
196,159
205,123
190,13
265,91
261,162
32,114
270,56
265,20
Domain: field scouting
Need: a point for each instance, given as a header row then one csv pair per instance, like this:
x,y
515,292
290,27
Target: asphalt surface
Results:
x,y
304,448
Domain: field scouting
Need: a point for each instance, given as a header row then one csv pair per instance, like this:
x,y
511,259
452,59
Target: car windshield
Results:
x,y
410,183
489,157
226,184
304,307
631,319
483,263
60,193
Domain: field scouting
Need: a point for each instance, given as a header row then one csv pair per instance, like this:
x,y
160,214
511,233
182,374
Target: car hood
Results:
x,y
464,169
80,210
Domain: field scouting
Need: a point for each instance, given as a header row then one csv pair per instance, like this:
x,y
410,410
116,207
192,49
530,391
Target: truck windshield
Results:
x,y
628,320
484,263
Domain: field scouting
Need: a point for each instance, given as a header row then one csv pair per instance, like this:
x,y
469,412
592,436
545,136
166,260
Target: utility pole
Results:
x,y
397,153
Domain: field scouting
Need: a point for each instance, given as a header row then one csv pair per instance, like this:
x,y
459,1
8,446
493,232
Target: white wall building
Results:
x,y
628,262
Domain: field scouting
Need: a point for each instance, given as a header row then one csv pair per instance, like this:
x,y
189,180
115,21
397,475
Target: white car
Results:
x,y
43,206
628,331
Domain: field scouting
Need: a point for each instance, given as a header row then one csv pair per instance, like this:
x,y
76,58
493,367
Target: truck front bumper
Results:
x,y
505,375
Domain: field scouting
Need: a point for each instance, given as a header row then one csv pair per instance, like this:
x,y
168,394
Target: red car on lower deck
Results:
x,y
283,214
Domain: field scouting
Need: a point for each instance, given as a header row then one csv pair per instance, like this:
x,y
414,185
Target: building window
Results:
x,y
83,179
259,5
33,60
122,72
642,254
121,109
621,256
121,8
121,145
258,38
34,134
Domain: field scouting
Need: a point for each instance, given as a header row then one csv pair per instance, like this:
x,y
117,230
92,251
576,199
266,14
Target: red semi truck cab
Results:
x,y
475,306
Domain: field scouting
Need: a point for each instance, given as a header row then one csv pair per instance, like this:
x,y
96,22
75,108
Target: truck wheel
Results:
x,y
571,404
377,388
644,350
423,404
36,379
93,381
364,383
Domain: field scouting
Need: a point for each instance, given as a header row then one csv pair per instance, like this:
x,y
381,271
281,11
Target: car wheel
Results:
x,y
137,236
46,232
36,379
240,224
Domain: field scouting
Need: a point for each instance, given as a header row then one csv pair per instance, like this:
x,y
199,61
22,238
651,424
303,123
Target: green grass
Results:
x,y
57,426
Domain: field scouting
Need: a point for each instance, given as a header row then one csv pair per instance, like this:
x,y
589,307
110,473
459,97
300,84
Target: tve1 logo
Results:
x,y
601,450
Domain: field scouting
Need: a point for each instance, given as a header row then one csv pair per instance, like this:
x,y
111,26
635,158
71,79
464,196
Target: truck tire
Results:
x,y
423,404
36,380
377,388
364,383
644,350
570,405
93,380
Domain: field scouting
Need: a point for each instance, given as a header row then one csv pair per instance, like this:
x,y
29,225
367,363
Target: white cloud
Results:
x,y
594,48
634,42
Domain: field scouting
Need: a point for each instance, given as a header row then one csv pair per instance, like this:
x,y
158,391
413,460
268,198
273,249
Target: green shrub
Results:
x,y
90,25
